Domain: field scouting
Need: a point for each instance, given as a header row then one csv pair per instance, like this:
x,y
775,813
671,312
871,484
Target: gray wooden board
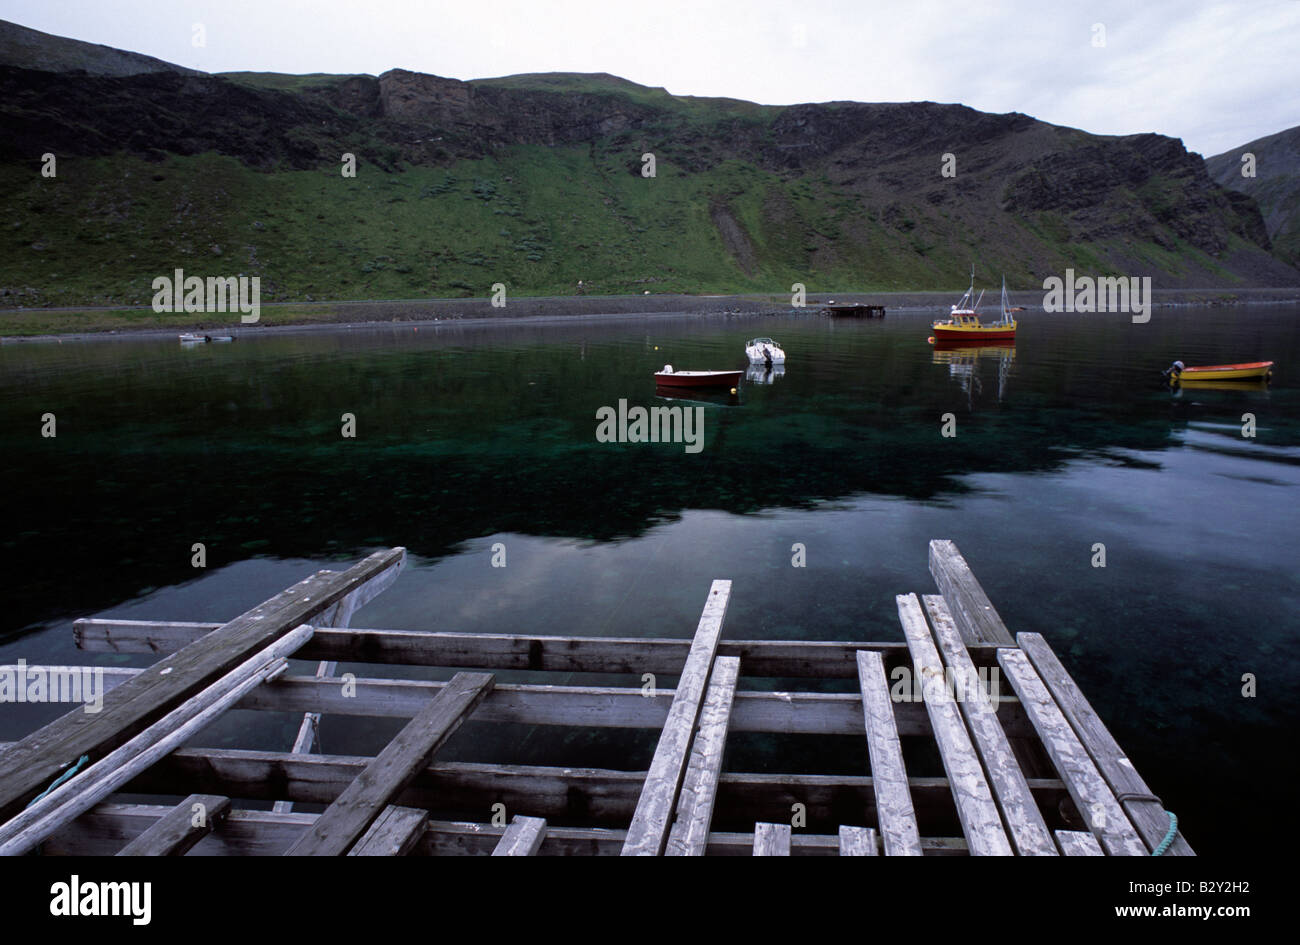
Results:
x,y
602,796
970,606
812,713
857,841
895,816
176,831
62,802
523,837
352,813
101,831
1092,796
523,651
1148,816
337,616
32,763
1023,821
771,839
1078,843
690,831
648,831
395,832
976,809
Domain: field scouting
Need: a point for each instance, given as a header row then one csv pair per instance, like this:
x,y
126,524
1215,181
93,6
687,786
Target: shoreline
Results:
x,y
329,316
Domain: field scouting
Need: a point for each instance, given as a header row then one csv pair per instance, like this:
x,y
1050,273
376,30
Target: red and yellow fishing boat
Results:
x,y
1179,373
963,323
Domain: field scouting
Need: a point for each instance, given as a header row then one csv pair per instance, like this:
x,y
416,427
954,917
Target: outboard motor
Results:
x,y
1173,372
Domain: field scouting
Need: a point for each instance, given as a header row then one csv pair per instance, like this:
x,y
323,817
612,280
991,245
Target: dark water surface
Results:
x,y
470,435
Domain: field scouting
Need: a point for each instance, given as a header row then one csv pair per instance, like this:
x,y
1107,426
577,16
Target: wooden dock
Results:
x,y
1032,771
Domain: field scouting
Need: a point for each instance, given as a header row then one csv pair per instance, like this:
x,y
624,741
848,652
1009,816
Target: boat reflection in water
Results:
x,y
963,362
1257,385
699,397
764,373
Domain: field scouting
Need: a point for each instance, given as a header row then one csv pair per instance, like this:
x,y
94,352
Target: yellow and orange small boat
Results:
x,y
1179,373
964,325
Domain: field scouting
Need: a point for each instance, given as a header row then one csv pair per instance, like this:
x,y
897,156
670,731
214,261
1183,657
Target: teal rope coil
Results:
x,y
61,778
1169,837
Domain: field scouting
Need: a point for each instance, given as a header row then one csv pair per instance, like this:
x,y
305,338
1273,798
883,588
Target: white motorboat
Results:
x,y
764,351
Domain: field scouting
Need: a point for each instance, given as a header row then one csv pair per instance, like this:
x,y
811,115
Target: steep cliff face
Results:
x,y
1272,180
541,176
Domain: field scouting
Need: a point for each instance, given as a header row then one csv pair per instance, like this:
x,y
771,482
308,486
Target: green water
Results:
x,y
472,435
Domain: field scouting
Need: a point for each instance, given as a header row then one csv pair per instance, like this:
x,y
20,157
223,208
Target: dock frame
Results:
x,y
1033,773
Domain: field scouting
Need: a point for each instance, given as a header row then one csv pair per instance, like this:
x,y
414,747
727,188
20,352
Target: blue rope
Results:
x,y
61,778
1169,837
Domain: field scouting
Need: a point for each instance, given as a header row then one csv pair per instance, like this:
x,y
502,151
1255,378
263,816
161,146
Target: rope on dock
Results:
x,y
1169,837
61,778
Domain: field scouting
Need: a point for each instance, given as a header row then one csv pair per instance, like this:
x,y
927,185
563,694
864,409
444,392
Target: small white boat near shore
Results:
x,y
764,351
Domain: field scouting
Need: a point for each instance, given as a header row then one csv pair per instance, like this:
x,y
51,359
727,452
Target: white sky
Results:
x,y
1214,74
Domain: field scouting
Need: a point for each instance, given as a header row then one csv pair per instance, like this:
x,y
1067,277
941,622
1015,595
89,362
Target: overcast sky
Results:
x,y
1214,74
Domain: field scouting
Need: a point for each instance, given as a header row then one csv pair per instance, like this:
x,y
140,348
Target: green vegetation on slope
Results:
x,y
534,218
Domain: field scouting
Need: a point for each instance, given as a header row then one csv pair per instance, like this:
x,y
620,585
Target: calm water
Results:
x,y
471,435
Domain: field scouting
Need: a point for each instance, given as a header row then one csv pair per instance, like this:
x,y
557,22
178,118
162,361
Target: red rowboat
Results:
x,y
670,378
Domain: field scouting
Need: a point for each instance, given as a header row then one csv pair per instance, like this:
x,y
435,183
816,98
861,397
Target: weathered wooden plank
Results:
x,y
353,811
395,832
976,809
1148,815
1092,796
29,765
1078,843
176,831
596,796
771,839
1023,821
523,837
522,651
101,778
857,841
109,635
650,823
895,816
338,616
690,831
970,606
812,713
101,831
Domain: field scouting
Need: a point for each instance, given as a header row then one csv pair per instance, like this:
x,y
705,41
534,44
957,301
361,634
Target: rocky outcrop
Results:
x,y
1271,179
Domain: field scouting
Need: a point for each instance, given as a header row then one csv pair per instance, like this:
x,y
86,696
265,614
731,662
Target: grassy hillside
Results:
x,y
536,219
